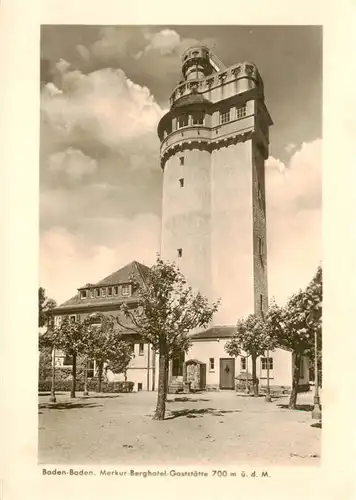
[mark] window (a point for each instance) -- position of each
(177, 366)
(83, 294)
(91, 294)
(211, 364)
(68, 360)
(90, 368)
(139, 386)
(260, 247)
(261, 302)
(181, 160)
(243, 363)
(109, 291)
(95, 319)
(180, 252)
(103, 292)
(116, 290)
(72, 319)
(264, 362)
(182, 121)
(141, 348)
(125, 290)
(97, 292)
(301, 367)
(259, 195)
(240, 112)
(224, 116)
(198, 118)
(181, 182)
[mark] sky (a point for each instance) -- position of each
(103, 91)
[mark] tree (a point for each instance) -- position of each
(296, 325)
(71, 337)
(45, 308)
(252, 336)
(168, 309)
(104, 343)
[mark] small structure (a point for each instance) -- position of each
(194, 375)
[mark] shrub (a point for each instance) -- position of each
(66, 385)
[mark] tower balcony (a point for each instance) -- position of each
(192, 133)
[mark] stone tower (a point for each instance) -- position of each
(214, 142)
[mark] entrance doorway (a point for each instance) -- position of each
(227, 373)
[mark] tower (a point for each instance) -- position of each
(214, 142)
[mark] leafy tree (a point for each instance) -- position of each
(45, 308)
(254, 338)
(296, 325)
(70, 337)
(168, 309)
(104, 343)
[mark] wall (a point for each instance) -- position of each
(281, 374)
(231, 233)
(186, 216)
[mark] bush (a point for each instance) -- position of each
(66, 385)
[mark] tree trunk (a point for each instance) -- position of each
(295, 382)
(162, 388)
(254, 376)
(85, 390)
(74, 375)
(166, 371)
(100, 375)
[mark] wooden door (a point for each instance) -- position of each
(227, 373)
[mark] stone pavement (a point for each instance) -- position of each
(209, 428)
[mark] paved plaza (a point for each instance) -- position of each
(209, 428)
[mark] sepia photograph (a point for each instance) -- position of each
(180, 270)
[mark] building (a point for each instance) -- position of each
(106, 297)
(207, 351)
(214, 143)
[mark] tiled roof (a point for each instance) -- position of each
(217, 332)
(123, 275)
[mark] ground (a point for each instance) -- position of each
(209, 428)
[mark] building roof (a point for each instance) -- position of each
(216, 332)
(123, 275)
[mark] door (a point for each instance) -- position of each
(227, 373)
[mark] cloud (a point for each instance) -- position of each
(100, 176)
(294, 203)
(104, 105)
(67, 261)
(72, 163)
(165, 41)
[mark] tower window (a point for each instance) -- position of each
(198, 118)
(181, 160)
(182, 121)
(181, 182)
(240, 112)
(225, 116)
(261, 302)
(260, 247)
(180, 252)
